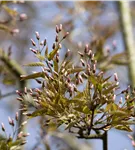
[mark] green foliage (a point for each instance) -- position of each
(9, 142)
(60, 102)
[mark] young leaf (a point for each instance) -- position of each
(40, 57)
(35, 64)
(11, 12)
(123, 127)
(46, 51)
(53, 53)
(32, 76)
(55, 65)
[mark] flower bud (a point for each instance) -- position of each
(44, 42)
(57, 29)
(33, 43)
(81, 54)
(60, 46)
(16, 116)
(115, 77)
(2, 127)
(9, 120)
(67, 33)
(15, 31)
(67, 53)
(83, 63)
(60, 28)
(53, 47)
(56, 38)
(86, 48)
(34, 51)
(23, 17)
(37, 35)
(19, 93)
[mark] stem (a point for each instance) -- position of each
(128, 37)
(94, 136)
(105, 141)
(91, 123)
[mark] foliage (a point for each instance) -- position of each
(77, 97)
(10, 142)
(61, 102)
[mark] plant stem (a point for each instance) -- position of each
(128, 37)
(103, 137)
(105, 141)
(91, 122)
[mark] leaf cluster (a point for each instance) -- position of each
(61, 101)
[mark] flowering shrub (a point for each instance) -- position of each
(77, 97)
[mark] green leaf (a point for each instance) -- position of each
(93, 80)
(4, 2)
(106, 79)
(53, 53)
(38, 113)
(5, 28)
(11, 12)
(15, 143)
(34, 64)
(4, 146)
(110, 89)
(40, 57)
(8, 81)
(124, 127)
(55, 65)
(46, 51)
(79, 95)
(86, 110)
(119, 113)
(114, 107)
(75, 70)
(111, 107)
(32, 76)
(118, 56)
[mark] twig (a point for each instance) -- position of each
(91, 122)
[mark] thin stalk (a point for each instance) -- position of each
(123, 8)
(128, 37)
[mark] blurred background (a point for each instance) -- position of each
(96, 23)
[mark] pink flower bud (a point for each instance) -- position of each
(23, 17)
(115, 77)
(86, 48)
(67, 33)
(57, 29)
(37, 35)
(33, 43)
(2, 127)
(60, 28)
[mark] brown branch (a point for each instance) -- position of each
(91, 122)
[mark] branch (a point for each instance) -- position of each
(17, 71)
(91, 123)
(93, 136)
(105, 141)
